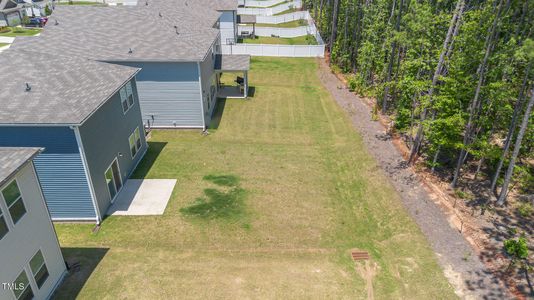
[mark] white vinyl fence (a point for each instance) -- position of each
(275, 50)
(286, 32)
(259, 3)
(277, 31)
(297, 15)
(269, 11)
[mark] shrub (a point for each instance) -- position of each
(357, 84)
(517, 249)
(525, 209)
(48, 10)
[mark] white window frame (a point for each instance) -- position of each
(135, 142)
(26, 287)
(126, 95)
(38, 269)
(20, 198)
(120, 178)
(2, 217)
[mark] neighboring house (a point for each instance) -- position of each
(220, 14)
(175, 47)
(37, 8)
(11, 13)
(31, 263)
(87, 117)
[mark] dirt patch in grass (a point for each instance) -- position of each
(368, 271)
(226, 202)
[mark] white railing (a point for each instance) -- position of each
(275, 50)
(259, 3)
(298, 15)
(269, 11)
(278, 31)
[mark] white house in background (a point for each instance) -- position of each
(13, 11)
(31, 263)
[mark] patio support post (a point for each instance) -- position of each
(246, 84)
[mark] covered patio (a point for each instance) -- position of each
(247, 20)
(237, 88)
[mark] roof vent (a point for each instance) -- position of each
(160, 15)
(56, 23)
(176, 29)
(28, 87)
(130, 51)
(146, 3)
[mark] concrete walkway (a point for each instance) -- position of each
(464, 270)
(141, 197)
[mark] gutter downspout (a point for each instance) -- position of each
(87, 173)
(201, 97)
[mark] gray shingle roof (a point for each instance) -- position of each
(64, 89)
(194, 6)
(246, 19)
(108, 34)
(232, 62)
(12, 159)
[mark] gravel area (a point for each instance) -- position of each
(460, 262)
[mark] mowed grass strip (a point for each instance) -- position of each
(290, 24)
(300, 40)
(313, 194)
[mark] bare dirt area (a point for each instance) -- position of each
(470, 259)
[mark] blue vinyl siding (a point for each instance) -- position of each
(59, 168)
(105, 137)
(207, 69)
(169, 93)
(64, 186)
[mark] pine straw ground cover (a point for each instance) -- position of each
(268, 205)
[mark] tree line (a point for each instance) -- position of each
(455, 76)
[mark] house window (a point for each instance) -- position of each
(14, 201)
(23, 290)
(127, 98)
(135, 142)
(3, 226)
(39, 270)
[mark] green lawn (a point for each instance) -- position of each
(3, 44)
(291, 24)
(301, 40)
(19, 31)
(286, 11)
(268, 205)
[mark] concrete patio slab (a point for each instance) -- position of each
(142, 197)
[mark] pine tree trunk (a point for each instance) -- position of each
(517, 146)
(333, 35)
(511, 130)
(455, 21)
(473, 109)
(391, 56)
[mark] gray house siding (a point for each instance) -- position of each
(209, 92)
(59, 168)
(105, 137)
(227, 27)
(169, 94)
